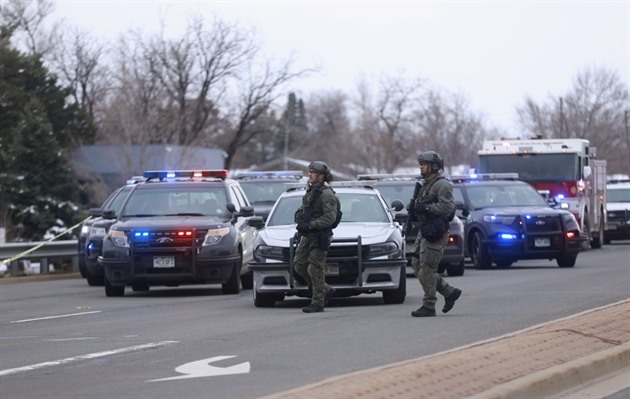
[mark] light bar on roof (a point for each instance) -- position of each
(266, 174)
(388, 176)
(484, 176)
(169, 174)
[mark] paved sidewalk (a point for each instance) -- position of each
(531, 363)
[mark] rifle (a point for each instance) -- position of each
(411, 215)
(306, 215)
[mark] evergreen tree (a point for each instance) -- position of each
(38, 130)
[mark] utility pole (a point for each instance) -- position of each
(627, 138)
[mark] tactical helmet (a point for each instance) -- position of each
(321, 167)
(432, 158)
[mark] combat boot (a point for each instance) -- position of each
(450, 300)
(423, 312)
(312, 308)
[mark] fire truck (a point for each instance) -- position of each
(565, 169)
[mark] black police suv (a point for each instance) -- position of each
(264, 187)
(176, 228)
(507, 219)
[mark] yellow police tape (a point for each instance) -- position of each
(18, 256)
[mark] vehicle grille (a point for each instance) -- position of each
(543, 224)
(347, 251)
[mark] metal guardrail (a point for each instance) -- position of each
(53, 249)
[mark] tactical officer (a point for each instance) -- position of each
(314, 220)
(433, 207)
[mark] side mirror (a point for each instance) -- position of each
(256, 222)
(462, 207)
(94, 212)
(109, 214)
(397, 205)
(586, 173)
(401, 218)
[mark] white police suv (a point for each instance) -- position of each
(367, 254)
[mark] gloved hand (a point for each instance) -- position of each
(421, 208)
(303, 227)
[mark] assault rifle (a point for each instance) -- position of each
(412, 215)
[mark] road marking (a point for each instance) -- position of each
(202, 368)
(84, 357)
(55, 317)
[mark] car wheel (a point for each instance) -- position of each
(247, 281)
(233, 285)
(566, 260)
(456, 270)
(265, 300)
(94, 281)
(398, 295)
(598, 240)
(140, 287)
(113, 290)
(480, 256)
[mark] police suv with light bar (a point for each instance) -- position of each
(507, 219)
(367, 254)
(179, 227)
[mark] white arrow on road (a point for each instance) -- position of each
(202, 368)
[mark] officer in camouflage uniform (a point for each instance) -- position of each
(434, 200)
(314, 220)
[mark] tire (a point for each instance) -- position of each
(113, 290)
(140, 287)
(247, 281)
(94, 281)
(233, 285)
(398, 295)
(456, 270)
(598, 240)
(566, 260)
(265, 300)
(479, 253)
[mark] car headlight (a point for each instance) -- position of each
(383, 249)
(98, 232)
(268, 252)
(84, 229)
(214, 236)
(507, 220)
(119, 238)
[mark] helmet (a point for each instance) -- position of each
(320, 167)
(432, 158)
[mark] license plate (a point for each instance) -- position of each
(542, 242)
(331, 269)
(163, 261)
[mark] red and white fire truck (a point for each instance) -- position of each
(567, 169)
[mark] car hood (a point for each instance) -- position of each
(171, 222)
(370, 233)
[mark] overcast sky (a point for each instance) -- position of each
(493, 52)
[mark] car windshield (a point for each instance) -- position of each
(401, 192)
(207, 201)
(366, 208)
(486, 196)
(618, 195)
(262, 192)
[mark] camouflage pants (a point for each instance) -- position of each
(427, 257)
(309, 263)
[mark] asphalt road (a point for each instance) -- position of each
(63, 339)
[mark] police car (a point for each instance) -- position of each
(264, 187)
(401, 187)
(507, 219)
(618, 210)
(367, 254)
(179, 227)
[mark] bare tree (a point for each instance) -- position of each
(594, 109)
(26, 18)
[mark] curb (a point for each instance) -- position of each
(559, 378)
(38, 277)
